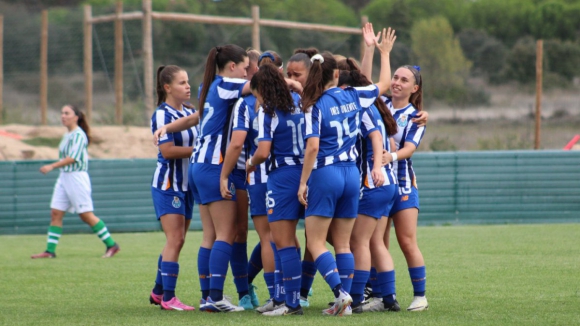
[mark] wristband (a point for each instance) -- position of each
(250, 162)
(394, 156)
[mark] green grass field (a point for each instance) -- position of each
(477, 275)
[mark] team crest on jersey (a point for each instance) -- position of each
(176, 202)
(402, 121)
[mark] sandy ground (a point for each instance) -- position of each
(108, 142)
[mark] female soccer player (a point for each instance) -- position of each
(172, 198)
(72, 191)
(280, 138)
(405, 102)
(378, 186)
(221, 89)
(332, 125)
(245, 137)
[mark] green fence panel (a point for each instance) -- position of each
(454, 187)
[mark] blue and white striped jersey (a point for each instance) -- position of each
(215, 122)
(407, 131)
(335, 119)
(285, 131)
(372, 121)
(246, 119)
(172, 173)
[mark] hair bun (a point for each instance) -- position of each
(317, 57)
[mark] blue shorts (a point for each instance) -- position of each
(377, 202)
(257, 199)
(239, 177)
(333, 191)
(405, 199)
(172, 202)
(207, 182)
(191, 185)
(282, 196)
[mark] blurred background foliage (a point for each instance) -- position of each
(454, 41)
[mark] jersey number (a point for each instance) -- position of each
(343, 129)
(297, 137)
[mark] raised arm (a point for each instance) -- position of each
(385, 47)
(369, 50)
(176, 126)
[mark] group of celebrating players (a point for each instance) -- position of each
(324, 144)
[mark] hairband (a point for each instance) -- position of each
(266, 55)
(317, 57)
(415, 73)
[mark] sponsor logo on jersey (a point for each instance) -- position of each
(270, 211)
(405, 198)
(176, 202)
(402, 121)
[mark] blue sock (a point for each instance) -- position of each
(308, 273)
(203, 271)
(158, 288)
(278, 276)
(326, 265)
(292, 275)
(218, 268)
(345, 265)
(374, 284)
(357, 291)
(255, 263)
(418, 278)
(387, 283)
(269, 279)
(239, 262)
(169, 272)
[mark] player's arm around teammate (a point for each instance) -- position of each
(280, 123)
(405, 103)
(172, 197)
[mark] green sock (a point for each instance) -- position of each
(54, 233)
(101, 230)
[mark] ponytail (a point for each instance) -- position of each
(321, 73)
(416, 98)
(82, 122)
(351, 75)
(165, 76)
(217, 58)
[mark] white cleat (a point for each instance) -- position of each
(373, 304)
(418, 304)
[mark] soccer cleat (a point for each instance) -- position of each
(341, 303)
(175, 304)
(270, 305)
(45, 254)
(358, 309)
(222, 305)
(332, 309)
(304, 303)
(155, 298)
(246, 302)
(419, 304)
(284, 310)
(373, 304)
(310, 292)
(253, 295)
(111, 251)
(202, 305)
(368, 293)
(392, 307)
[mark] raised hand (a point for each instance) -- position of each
(387, 41)
(369, 34)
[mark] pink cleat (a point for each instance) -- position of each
(45, 254)
(155, 298)
(175, 304)
(111, 251)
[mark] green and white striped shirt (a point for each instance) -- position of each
(74, 145)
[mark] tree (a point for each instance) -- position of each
(443, 65)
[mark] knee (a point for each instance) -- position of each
(56, 215)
